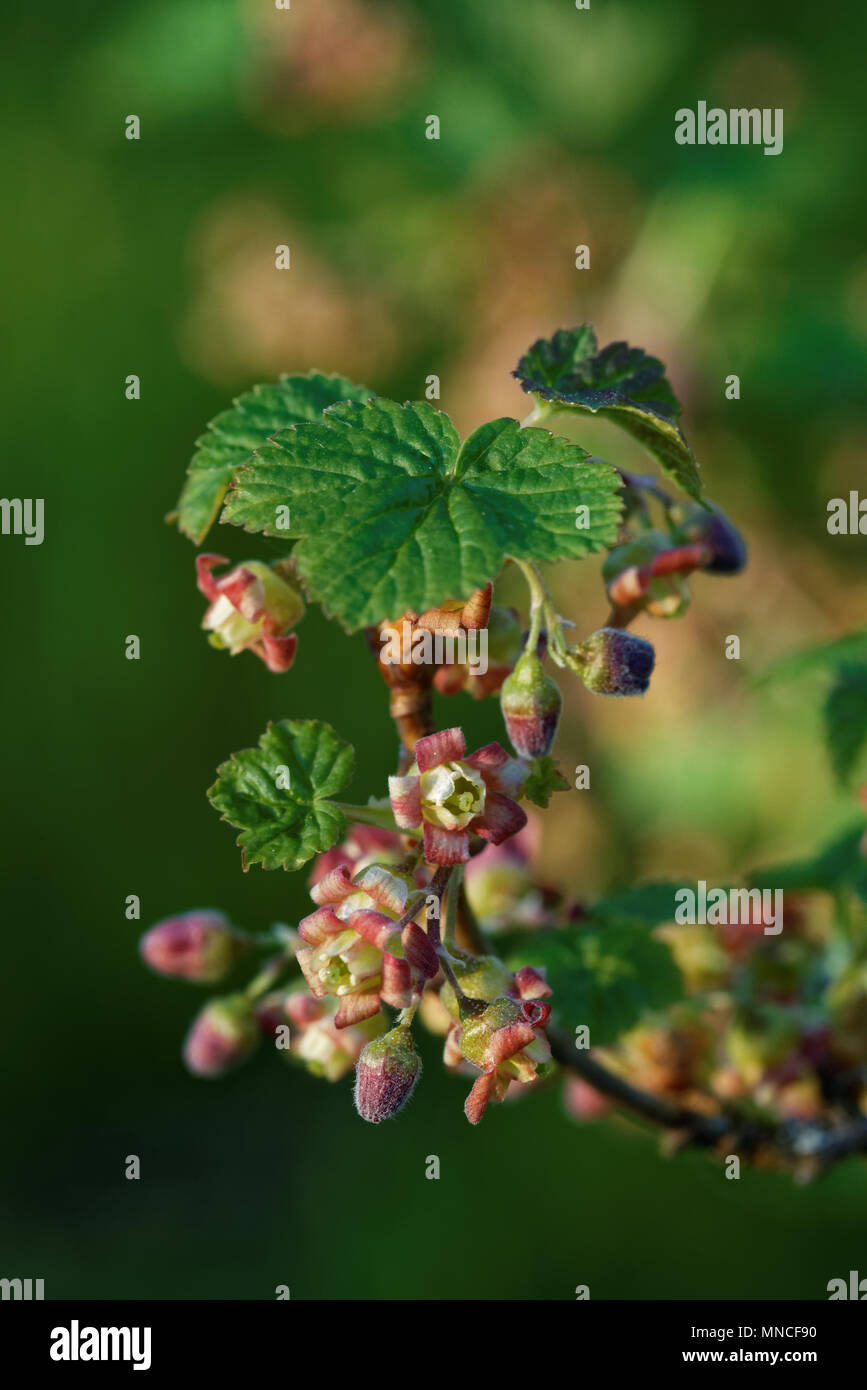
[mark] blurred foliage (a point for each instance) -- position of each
(409, 257)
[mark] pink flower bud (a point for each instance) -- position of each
(386, 1074)
(199, 945)
(222, 1036)
(531, 704)
(613, 662)
(582, 1101)
(648, 573)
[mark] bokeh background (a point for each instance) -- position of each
(409, 257)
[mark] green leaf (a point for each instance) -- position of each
(604, 977)
(622, 383)
(544, 779)
(230, 439)
(846, 722)
(824, 658)
(394, 513)
(284, 826)
(648, 905)
(841, 864)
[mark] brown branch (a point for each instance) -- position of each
(410, 683)
(809, 1145)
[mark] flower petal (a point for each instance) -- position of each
(375, 927)
(445, 846)
(531, 984)
(205, 581)
(405, 795)
(449, 746)
(278, 653)
(333, 887)
(477, 1101)
(387, 892)
(355, 1008)
(245, 591)
(396, 987)
(501, 772)
(502, 818)
(419, 950)
(314, 984)
(319, 926)
(505, 1042)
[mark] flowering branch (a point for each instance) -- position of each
(391, 513)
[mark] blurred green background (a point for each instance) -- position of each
(409, 257)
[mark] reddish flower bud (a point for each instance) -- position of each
(648, 573)
(613, 662)
(199, 945)
(531, 704)
(719, 536)
(222, 1036)
(386, 1074)
(583, 1102)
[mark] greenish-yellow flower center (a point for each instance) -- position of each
(452, 795)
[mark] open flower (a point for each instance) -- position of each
(316, 1040)
(498, 1027)
(353, 951)
(452, 796)
(507, 1042)
(500, 886)
(252, 609)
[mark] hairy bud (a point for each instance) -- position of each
(531, 704)
(222, 1036)
(613, 662)
(199, 946)
(386, 1074)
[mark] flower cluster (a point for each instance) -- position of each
(772, 1028)
(408, 892)
(373, 942)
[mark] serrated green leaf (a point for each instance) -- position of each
(395, 514)
(846, 721)
(544, 779)
(231, 437)
(604, 977)
(285, 826)
(622, 383)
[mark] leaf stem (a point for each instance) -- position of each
(541, 411)
(268, 976)
(542, 610)
(455, 881)
(380, 816)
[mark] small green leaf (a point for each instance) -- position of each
(277, 794)
(620, 382)
(230, 439)
(545, 778)
(846, 721)
(604, 977)
(393, 513)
